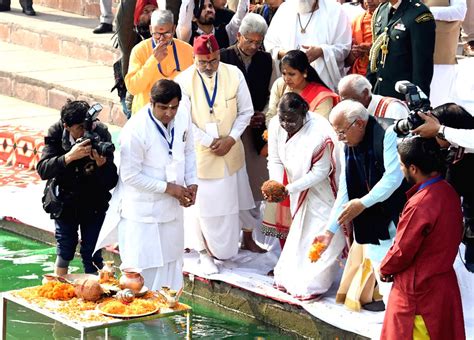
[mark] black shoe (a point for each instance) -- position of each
(29, 11)
(27, 6)
(103, 28)
(375, 306)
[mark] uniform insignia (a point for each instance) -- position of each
(424, 18)
(400, 26)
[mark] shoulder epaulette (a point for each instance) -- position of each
(424, 17)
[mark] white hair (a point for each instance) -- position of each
(161, 17)
(253, 23)
(356, 82)
(351, 110)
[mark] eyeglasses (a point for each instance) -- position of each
(204, 63)
(257, 43)
(166, 35)
(342, 134)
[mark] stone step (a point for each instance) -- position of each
(90, 8)
(58, 32)
(48, 79)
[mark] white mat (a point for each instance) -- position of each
(248, 271)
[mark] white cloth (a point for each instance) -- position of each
(215, 222)
(395, 110)
(352, 10)
(442, 88)
(329, 28)
(170, 275)
(294, 271)
(185, 19)
(460, 138)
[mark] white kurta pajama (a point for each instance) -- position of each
(329, 28)
(314, 144)
(151, 234)
(215, 218)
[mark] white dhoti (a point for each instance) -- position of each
(294, 271)
(156, 249)
(215, 219)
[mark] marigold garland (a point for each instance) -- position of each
(315, 251)
(57, 291)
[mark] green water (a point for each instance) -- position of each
(22, 264)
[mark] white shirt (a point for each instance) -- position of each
(146, 166)
(460, 138)
(456, 11)
(395, 110)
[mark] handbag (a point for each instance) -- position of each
(51, 202)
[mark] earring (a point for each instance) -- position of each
(305, 75)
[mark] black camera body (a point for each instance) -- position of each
(105, 149)
(417, 101)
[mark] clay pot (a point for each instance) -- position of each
(132, 279)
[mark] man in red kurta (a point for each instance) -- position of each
(425, 301)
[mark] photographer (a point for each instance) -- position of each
(425, 301)
(79, 179)
(454, 128)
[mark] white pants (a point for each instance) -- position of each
(106, 15)
(170, 274)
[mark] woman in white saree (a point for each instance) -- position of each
(303, 143)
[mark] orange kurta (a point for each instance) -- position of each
(361, 34)
(143, 71)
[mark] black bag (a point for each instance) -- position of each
(51, 202)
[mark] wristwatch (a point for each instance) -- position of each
(440, 134)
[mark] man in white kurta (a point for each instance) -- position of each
(357, 87)
(318, 27)
(157, 177)
(221, 108)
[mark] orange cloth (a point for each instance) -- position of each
(361, 33)
(143, 71)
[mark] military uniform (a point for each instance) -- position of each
(402, 49)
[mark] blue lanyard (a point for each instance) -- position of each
(210, 101)
(429, 182)
(175, 55)
(160, 130)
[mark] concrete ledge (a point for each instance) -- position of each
(228, 300)
(90, 8)
(60, 33)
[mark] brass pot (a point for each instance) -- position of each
(132, 279)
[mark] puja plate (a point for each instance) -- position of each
(124, 316)
(142, 291)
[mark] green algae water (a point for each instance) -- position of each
(24, 261)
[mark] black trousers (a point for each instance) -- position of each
(67, 237)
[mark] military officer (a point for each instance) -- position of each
(403, 46)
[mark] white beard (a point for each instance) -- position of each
(304, 6)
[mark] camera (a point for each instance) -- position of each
(105, 149)
(417, 101)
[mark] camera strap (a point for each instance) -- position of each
(175, 55)
(162, 133)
